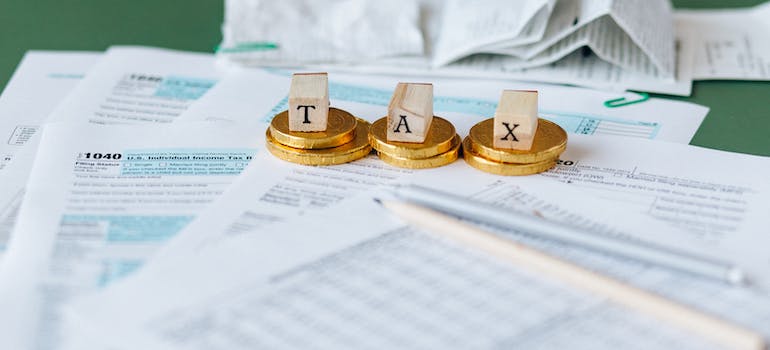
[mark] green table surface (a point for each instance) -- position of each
(739, 119)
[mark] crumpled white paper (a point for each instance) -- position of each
(292, 32)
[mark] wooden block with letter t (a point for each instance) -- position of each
(410, 112)
(308, 102)
(515, 120)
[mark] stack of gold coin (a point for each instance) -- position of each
(441, 146)
(550, 141)
(344, 140)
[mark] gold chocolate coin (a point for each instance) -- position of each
(438, 140)
(550, 141)
(341, 129)
(477, 161)
(423, 163)
(357, 148)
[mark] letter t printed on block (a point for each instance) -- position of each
(515, 120)
(308, 102)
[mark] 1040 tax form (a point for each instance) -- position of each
(97, 207)
(637, 196)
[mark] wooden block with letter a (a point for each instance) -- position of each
(515, 120)
(309, 102)
(410, 112)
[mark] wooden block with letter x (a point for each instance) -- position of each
(410, 112)
(515, 120)
(308, 102)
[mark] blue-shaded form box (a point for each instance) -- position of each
(589, 125)
(125, 230)
(113, 270)
(185, 162)
(132, 228)
(182, 88)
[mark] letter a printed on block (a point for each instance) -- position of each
(410, 112)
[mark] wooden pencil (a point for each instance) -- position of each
(708, 326)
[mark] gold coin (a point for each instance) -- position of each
(438, 140)
(353, 150)
(424, 163)
(550, 141)
(477, 161)
(341, 129)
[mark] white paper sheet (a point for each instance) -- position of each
(633, 41)
(716, 209)
(13, 179)
(469, 26)
(273, 294)
(465, 102)
(296, 32)
(641, 46)
(99, 201)
(533, 30)
(232, 220)
(714, 194)
(729, 43)
(579, 68)
(139, 85)
(566, 18)
(41, 81)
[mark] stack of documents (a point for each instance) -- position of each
(608, 44)
(140, 209)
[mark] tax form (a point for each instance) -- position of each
(464, 102)
(715, 195)
(124, 85)
(355, 277)
(729, 43)
(713, 209)
(100, 200)
(41, 81)
(139, 85)
(389, 286)
(719, 197)
(13, 178)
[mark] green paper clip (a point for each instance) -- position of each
(622, 101)
(246, 47)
